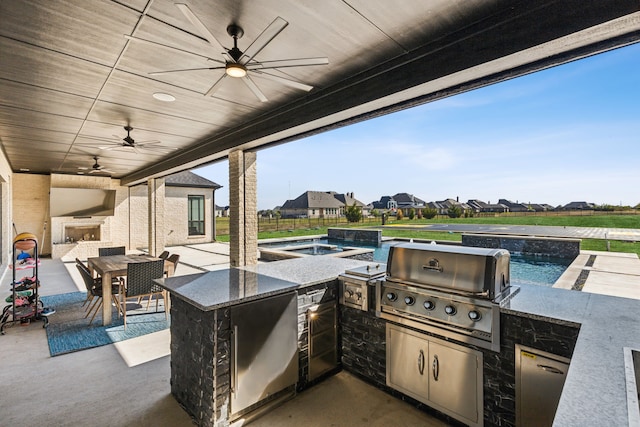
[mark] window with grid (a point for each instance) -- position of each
(196, 216)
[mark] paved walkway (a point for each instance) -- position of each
(608, 273)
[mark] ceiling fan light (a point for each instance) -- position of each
(235, 70)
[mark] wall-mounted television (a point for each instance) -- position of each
(81, 202)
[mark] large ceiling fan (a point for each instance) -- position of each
(128, 143)
(96, 168)
(242, 64)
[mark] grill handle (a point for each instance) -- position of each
(421, 362)
(435, 367)
(433, 265)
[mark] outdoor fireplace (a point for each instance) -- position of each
(81, 233)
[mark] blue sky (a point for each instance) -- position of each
(569, 133)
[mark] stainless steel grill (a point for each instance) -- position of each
(448, 290)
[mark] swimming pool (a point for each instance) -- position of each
(539, 270)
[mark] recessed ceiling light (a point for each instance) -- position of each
(24, 170)
(164, 97)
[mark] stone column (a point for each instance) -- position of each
(155, 189)
(243, 209)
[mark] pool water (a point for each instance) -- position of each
(539, 270)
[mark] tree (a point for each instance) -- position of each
(412, 213)
(353, 213)
(454, 211)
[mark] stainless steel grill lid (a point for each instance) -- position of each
(482, 272)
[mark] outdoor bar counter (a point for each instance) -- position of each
(594, 393)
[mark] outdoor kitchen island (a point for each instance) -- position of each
(591, 329)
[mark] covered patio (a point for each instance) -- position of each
(146, 88)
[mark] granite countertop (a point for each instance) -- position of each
(594, 392)
(223, 288)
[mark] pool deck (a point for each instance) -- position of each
(607, 273)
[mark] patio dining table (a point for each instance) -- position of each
(116, 266)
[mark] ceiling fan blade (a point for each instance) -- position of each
(149, 42)
(215, 86)
(254, 88)
(291, 83)
(159, 73)
(301, 62)
(204, 31)
(263, 39)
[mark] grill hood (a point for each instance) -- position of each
(480, 272)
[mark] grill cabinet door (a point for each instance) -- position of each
(453, 384)
(407, 355)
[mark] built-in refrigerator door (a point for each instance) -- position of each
(264, 350)
(539, 380)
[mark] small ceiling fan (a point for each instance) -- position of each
(128, 143)
(96, 168)
(242, 64)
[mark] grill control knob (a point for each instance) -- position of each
(475, 315)
(391, 296)
(348, 293)
(450, 310)
(429, 305)
(358, 296)
(409, 300)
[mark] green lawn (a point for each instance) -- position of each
(575, 220)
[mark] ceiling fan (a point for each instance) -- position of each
(242, 64)
(96, 168)
(129, 143)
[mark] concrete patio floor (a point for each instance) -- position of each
(127, 383)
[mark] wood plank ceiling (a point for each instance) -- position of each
(72, 77)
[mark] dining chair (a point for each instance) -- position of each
(164, 255)
(116, 250)
(94, 290)
(140, 283)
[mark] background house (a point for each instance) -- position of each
(320, 204)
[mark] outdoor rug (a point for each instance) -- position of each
(69, 331)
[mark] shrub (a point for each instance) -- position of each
(353, 213)
(399, 214)
(429, 213)
(412, 213)
(455, 212)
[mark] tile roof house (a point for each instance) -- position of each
(573, 206)
(480, 206)
(442, 206)
(320, 204)
(514, 207)
(404, 201)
